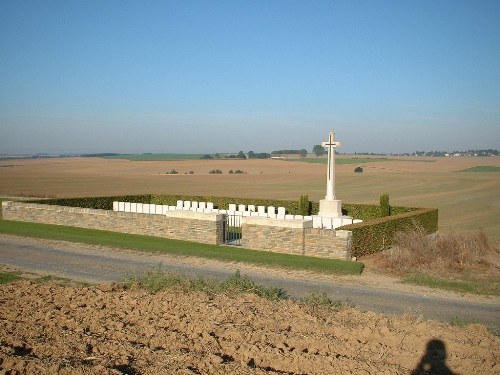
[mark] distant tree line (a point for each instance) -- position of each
(240, 155)
(257, 155)
(488, 152)
(302, 152)
(319, 150)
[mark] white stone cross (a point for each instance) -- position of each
(330, 181)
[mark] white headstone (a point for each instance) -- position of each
(317, 222)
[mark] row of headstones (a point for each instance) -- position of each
(235, 212)
(142, 208)
(239, 210)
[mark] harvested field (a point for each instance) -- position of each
(466, 200)
(105, 329)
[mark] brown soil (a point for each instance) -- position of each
(52, 329)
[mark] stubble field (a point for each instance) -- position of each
(466, 200)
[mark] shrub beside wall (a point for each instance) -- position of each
(385, 208)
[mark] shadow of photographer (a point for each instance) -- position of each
(434, 360)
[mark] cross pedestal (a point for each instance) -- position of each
(330, 207)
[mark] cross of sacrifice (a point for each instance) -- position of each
(330, 181)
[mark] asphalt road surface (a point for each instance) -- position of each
(95, 265)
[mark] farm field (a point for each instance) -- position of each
(467, 200)
(109, 329)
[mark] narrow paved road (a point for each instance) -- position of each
(95, 265)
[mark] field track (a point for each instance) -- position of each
(466, 200)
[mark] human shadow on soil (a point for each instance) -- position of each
(433, 362)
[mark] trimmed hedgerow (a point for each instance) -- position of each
(363, 211)
(100, 203)
(376, 235)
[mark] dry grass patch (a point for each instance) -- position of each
(465, 262)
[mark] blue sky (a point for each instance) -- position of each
(224, 76)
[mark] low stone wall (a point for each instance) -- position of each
(295, 237)
(258, 233)
(327, 243)
(188, 226)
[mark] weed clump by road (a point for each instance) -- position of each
(157, 280)
(465, 262)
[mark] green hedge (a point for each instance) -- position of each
(363, 211)
(106, 203)
(376, 235)
(358, 211)
(101, 203)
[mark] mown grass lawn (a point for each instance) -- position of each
(168, 246)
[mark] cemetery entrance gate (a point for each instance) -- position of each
(232, 229)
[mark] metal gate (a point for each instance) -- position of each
(232, 229)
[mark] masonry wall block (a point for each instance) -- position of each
(282, 236)
(196, 227)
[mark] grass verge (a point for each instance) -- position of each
(8, 277)
(168, 246)
(157, 280)
(461, 286)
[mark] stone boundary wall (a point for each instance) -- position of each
(295, 237)
(189, 226)
(258, 233)
(327, 243)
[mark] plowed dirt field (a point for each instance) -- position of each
(46, 328)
